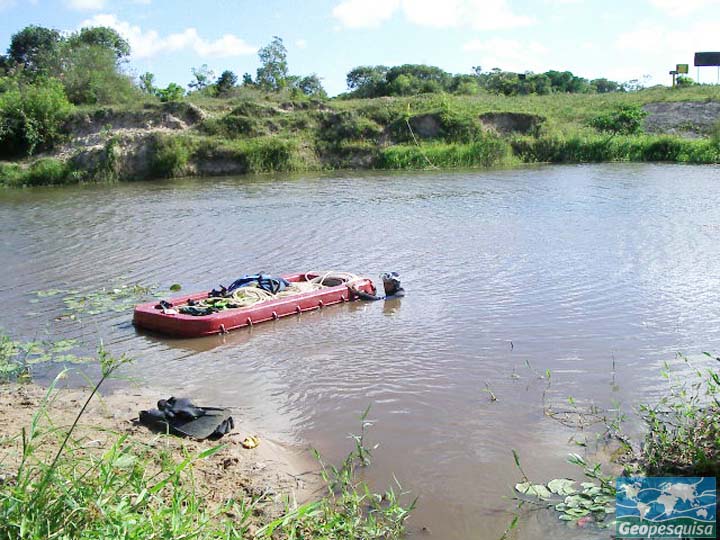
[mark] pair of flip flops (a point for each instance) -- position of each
(181, 417)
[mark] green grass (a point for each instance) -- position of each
(258, 132)
(683, 428)
(43, 172)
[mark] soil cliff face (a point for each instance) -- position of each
(690, 119)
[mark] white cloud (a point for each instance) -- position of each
(477, 14)
(677, 8)
(508, 54)
(656, 48)
(364, 13)
(86, 5)
(301, 43)
(146, 43)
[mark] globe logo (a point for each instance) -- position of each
(665, 507)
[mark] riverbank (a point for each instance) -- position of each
(253, 132)
(269, 475)
(81, 465)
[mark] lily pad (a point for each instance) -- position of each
(562, 486)
(537, 490)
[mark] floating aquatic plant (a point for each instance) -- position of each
(579, 503)
(16, 357)
(121, 297)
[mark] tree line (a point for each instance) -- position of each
(411, 79)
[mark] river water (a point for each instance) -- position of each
(598, 273)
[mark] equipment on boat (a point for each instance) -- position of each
(250, 300)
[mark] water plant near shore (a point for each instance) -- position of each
(681, 438)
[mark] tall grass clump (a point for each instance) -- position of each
(43, 172)
(349, 510)
(599, 148)
(171, 155)
(683, 428)
(489, 152)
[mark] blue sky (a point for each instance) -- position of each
(618, 39)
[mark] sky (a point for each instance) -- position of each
(618, 39)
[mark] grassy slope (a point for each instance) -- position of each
(262, 133)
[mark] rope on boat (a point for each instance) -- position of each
(250, 295)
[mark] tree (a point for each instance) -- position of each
(311, 86)
(604, 86)
(91, 76)
(37, 49)
(173, 92)
(203, 77)
(273, 73)
(367, 81)
(147, 83)
(101, 36)
(226, 82)
(247, 80)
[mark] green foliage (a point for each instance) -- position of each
(48, 171)
(349, 509)
(491, 151)
(590, 501)
(31, 117)
(18, 357)
(117, 297)
(335, 128)
(203, 77)
(625, 120)
(37, 50)
(311, 86)
(226, 82)
(683, 427)
(683, 81)
(590, 149)
(171, 155)
(414, 79)
(91, 77)
(102, 37)
(173, 92)
(273, 71)
(147, 83)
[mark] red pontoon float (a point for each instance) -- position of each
(331, 290)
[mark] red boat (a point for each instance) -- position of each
(307, 292)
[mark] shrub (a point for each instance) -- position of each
(31, 117)
(173, 92)
(170, 155)
(44, 172)
(625, 120)
(347, 126)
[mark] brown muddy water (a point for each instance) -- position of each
(559, 267)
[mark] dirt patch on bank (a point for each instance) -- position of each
(271, 471)
(690, 119)
(508, 123)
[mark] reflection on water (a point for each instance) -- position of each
(507, 273)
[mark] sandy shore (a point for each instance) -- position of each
(276, 471)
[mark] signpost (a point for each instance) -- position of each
(703, 59)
